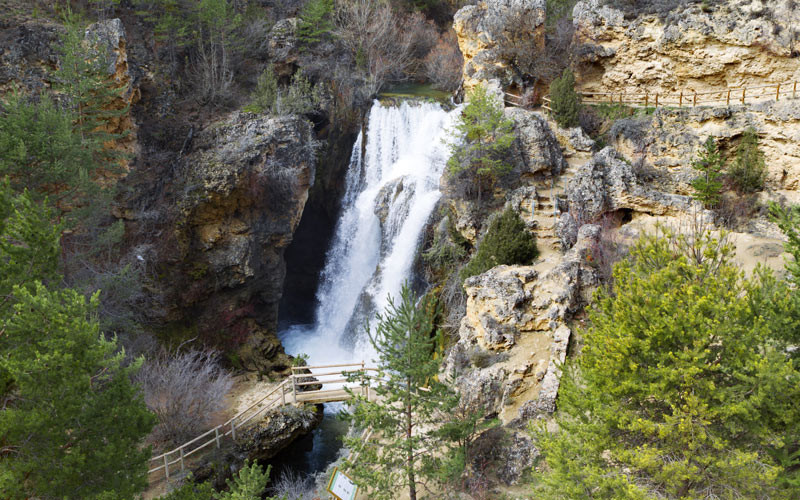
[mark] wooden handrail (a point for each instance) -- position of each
(273, 399)
(325, 366)
(688, 97)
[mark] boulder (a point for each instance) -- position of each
(538, 146)
(282, 46)
(507, 305)
(277, 430)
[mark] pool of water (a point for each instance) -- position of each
(423, 90)
(313, 452)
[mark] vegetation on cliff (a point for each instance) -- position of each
(477, 163)
(507, 242)
(683, 388)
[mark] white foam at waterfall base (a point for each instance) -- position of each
(367, 261)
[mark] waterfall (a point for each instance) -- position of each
(392, 186)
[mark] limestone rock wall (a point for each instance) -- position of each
(486, 29)
(243, 191)
(734, 43)
(674, 136)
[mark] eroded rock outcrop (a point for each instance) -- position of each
(244, 188)
(608, 183)
(110, 43)
(515, 334)
(488, 29)
(538, 147)
(277, 430)
(29, 57)
(727, 44)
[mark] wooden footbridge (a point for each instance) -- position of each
(303, 386)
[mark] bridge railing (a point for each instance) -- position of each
(284, 393)
(686, 98)
(338, 378)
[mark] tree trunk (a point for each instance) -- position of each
(412, 483)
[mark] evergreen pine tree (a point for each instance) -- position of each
(565, 103)
(748, 169)
(39, 148)
(407, 448)
(480, 159)
(315, 22)
(680, 390)
(73, 425)
(29, 244)
(707, 186)
(93, 96)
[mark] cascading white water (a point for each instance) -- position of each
(396, 169)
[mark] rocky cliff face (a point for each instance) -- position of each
(673, 137)
(487, 29)
(242, 194)
(729, 44)
(29, 57)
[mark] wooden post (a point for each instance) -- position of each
(778, 93)
(680, 99)
(294, 389)
(216, 436)
(233, 429)
(794, 90)
(656, 100)
(646, 99)
(728, 99)
(166, 466)
(694, 101)
(744, 90)
(182, 467)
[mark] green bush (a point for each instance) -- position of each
(266, 92)
(748, 170)
(300, 97)
(564, 101)
(507, 241)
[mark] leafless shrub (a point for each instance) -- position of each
(735, 210)
(213, 72)
(293, 486)
(184, 390)
(443, 63)
(255, 35)
(535, 55)
(608, 250)
(376, 38)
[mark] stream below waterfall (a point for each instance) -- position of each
(392, 188)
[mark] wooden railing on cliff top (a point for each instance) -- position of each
(728, 96)
(287, 392)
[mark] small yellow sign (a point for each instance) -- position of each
(341, 486)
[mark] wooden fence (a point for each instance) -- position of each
(290, 391)
(727, 96)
